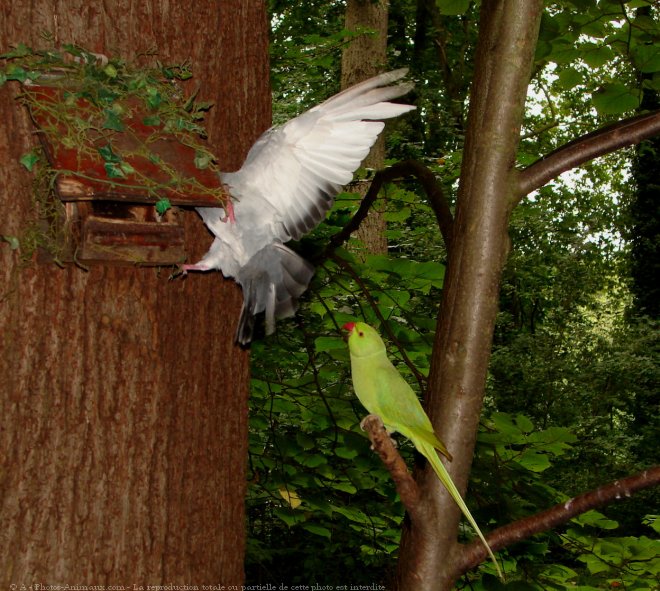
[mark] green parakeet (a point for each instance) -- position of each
(383, 392)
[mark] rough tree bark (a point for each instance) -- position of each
(364, 57)
(479, 246)
(123, 419)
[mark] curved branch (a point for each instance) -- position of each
(433, 191)
(475, 553)
(585, 148)
(383, 445)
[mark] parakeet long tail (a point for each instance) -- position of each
(431, 455)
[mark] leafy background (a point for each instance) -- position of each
(571, 398)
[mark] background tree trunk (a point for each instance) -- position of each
(364, 57)
(123, 401)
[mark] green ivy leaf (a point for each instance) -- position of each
(151, 120)
(21, 50)
(11, 240)
(203, 159)
(126, 168)
(113, 170)
(14, 72)
(163, 205)
(108, 154)
(29, 160)
(113, 120)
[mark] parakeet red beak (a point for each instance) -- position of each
(349, 326)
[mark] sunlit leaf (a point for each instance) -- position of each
(290, 496)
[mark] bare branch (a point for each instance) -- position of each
(475, 553)
(433, 191)
(383, 445)
(597, 143)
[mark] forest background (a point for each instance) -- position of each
(571, 400)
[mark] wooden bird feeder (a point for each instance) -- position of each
(111, 174)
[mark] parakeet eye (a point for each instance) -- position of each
(361, 333)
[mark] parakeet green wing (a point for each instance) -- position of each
(395, 402)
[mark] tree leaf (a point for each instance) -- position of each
(318, 530)
(324, 344)
(290, 496)
(616, 98)
(646, 58)
(453, 7)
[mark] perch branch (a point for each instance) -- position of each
(597, 143)
(475, 553)
(433, 191)
(383, 445)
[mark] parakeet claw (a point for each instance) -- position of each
(363, 422)
(388, 431)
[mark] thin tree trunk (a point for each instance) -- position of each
(508, 33)
(123, 402)
(364, 57)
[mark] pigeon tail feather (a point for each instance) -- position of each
(272, 281)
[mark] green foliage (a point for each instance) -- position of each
(573, 378)
(628, 562)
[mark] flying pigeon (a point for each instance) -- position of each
(284, 189)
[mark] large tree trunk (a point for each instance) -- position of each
(364, 57)
(123, 400)
(477, 253)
